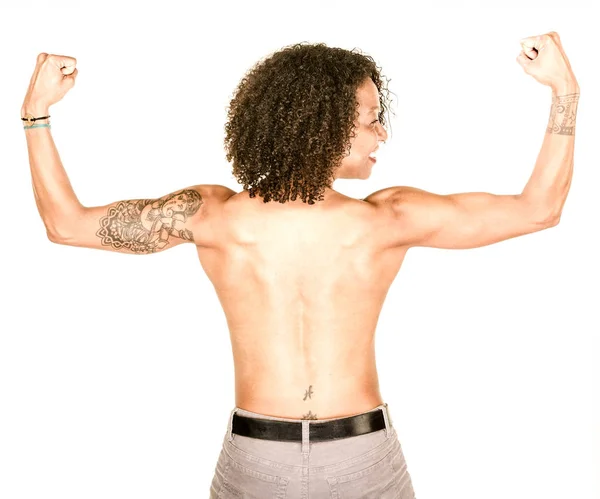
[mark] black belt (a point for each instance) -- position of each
(289, 431)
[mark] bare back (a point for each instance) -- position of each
(302, 287)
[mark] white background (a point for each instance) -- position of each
(116, 376)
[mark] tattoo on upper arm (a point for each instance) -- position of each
(563, 114)
(144, 225)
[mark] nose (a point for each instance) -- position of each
(381, 132)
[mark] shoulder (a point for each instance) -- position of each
(211, 197)
(390, 213)
(396, 194)
(384, 201)
(400, 200)
(212, 200)
(213, 192)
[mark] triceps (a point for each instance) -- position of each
(146, 226)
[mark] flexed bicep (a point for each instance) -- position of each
(139, 226)
(146, 225)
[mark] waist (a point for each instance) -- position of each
(264, 427)
(312, 403)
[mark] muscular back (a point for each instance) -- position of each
(302, 287)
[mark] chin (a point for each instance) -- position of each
(359, 172)
(364, 174)
(367, 172)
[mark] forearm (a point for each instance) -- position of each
(55, 199)
(550, 181)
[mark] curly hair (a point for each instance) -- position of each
(292, 116)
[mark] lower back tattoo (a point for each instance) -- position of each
(308, 395)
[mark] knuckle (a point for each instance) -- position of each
(550, 39)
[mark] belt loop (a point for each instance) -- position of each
(305, 436)
(388, 420)
(230, 425)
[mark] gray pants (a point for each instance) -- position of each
(369, 466)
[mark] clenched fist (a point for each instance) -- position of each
(53, 77)
(544, 58)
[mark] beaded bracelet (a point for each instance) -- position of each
(40, 125)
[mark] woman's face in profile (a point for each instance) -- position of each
(369, 132)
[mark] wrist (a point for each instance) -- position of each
(35, 109)
(564, 88)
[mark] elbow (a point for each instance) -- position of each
(551, 221)
(543, 214)
(548, 222)
(53, 237)
(57, 234)
(61, 233)
(552, 218)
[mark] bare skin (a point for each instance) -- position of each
(302, 304)
(302, 286)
